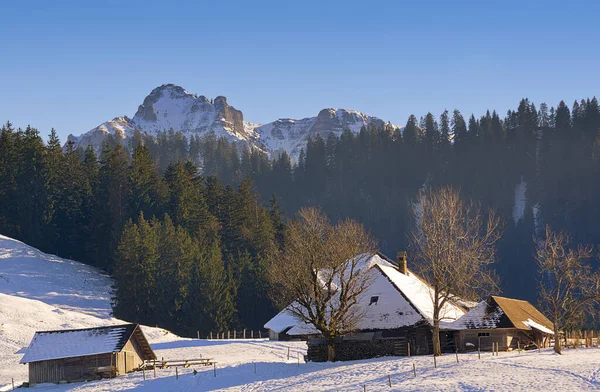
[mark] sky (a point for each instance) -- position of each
(72, 65)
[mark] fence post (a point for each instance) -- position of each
(228, 335)
(252, 334)
(408, 348)
(456, 352)
(12, 380)
(390, 380)
(259, 334)
(144, 372)
(254, 363)
(244, 333)
(414, 370)
(154, 368)
(288, 357)
(198, 333)
(234, 333)
(176, 373)
(215, 369)
(434, 361)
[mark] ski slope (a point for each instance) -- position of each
(43, 292)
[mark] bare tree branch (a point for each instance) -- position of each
(320, 271)
(453, 247)
(568, 286)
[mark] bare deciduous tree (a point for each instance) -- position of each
(453, 246)
(569, 288)
(318, 275)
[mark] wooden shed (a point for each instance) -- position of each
(86, 354)
(509, 323)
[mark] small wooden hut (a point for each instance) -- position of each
(505, 322)
(86, 354)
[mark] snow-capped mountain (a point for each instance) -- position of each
(291, 135)
(172, 107)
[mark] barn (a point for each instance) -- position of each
(506, 322)
(397, 309)
(85, 354)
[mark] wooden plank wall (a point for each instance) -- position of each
(68, 369)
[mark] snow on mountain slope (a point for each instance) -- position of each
(119, 127)
(172, 107)
(291, 135)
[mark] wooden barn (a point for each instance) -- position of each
(509, 323)
(397, 310)
(86, 354)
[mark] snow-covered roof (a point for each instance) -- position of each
(69, 343)
(501, 312)
(402, 300)
(282, 321)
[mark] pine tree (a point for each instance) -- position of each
(112, 203)
(147, 191)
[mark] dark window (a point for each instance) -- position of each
(482, 334)
(374, 300)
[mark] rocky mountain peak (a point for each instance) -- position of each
(172, 107)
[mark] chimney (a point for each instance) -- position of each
(402, 263)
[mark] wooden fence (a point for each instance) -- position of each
(234, 334)
(580, 338)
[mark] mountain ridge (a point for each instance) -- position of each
(172, 107)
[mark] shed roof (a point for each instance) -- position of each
(68, 343)
(502, 312)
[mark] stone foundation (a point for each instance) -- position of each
(350, 350)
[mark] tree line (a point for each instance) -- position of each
(532, 166)
(186, 251)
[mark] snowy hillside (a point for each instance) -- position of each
(172, 107)
(44, 292)
(40, 292)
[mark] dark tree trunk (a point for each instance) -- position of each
(556, 339)
(437, 350)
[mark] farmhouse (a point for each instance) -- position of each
(86, 354)
(509, 323)
(398, 312)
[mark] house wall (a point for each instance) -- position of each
(68, 369)
(375, 344)
(505, 338)
(134, 355)
(273, 335)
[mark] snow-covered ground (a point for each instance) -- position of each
(43, 292)
(576, 370)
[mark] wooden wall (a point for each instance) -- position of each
(507, 339)
(86, 367)
(68, 369)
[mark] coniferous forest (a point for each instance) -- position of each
(185, 225)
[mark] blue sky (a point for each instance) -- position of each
(72, 65)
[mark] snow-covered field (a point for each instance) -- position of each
(43, 292)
